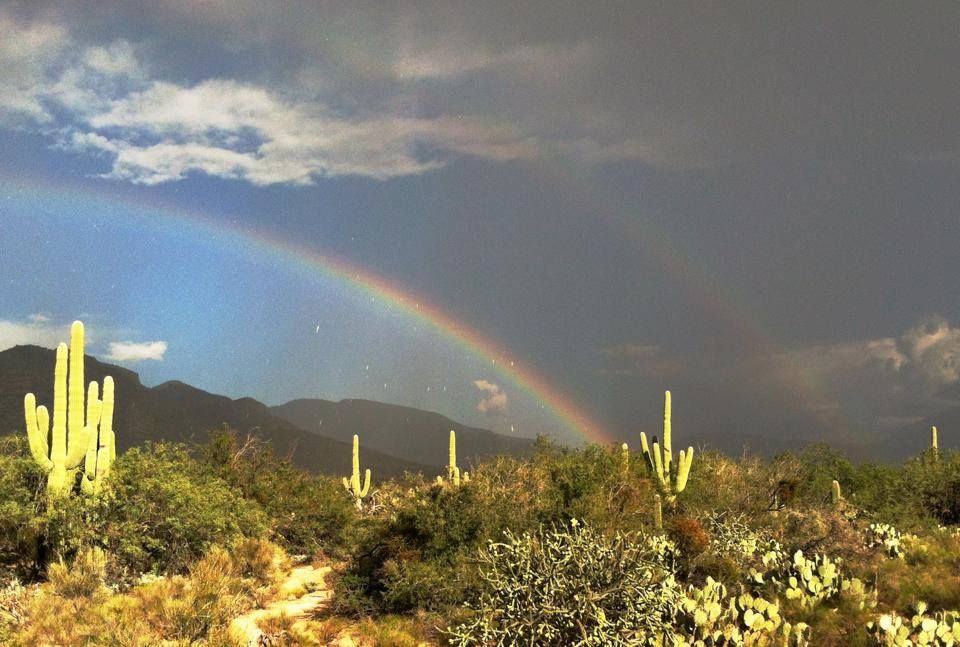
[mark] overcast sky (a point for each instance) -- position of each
(752, 204)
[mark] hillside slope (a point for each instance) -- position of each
(178, 412)
(405, 432)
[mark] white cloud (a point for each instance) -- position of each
(239, 131)
(37, 330)
(495, 401)
(128, 351)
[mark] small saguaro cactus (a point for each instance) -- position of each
(453, 472)
(454, 475)
(934, 445)
(660, 463)
(60, 451)
(625, 458)
(353, 484)
(835, 496)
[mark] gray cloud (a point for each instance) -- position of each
(495, 400)
(387, 91)
(854, 386)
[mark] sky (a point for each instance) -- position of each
(531, 218)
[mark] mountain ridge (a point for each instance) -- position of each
(178, 412)
(397, 430)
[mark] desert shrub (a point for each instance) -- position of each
(13, 602)
(927, 573)
(744, 486)
(259, 560)
(415, 557)
(689, 536)
(75, 607)
(308, 513)
(165, 509)
(83, 578)
(821, 465)
(933, 483)
(568, 586)
(22, 488)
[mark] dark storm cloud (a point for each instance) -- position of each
(676, 84)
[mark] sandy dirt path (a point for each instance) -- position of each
(304, 591)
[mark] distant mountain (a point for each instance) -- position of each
(178, 412)
(407, 433)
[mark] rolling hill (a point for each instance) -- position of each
(404, 432)
(175, 411)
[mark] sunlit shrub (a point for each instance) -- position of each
(568, 586)
(166, 510)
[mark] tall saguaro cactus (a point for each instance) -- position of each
(60, 451)
(353, 485)
(660, 463)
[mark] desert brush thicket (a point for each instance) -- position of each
(166, 544)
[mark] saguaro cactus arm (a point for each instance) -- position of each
(38, 427)
(667, 434)
(683, 469)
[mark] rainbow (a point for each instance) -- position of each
(388, 292)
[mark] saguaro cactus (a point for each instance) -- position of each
(625, 458)
(73, 424)
(835, 496)
(453, 472)
(353, 485)
(101, 448)
(660, 463)
(934, 445)
(657, 512)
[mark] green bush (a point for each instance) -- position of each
(307, 513)
(567, 587)
(165, 509)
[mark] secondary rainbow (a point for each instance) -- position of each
(344, 272)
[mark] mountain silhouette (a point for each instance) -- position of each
(404, 432)
(178, 412)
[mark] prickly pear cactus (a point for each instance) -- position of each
(886, 536)
(810, 581)
(711, 617)
(941, 629)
